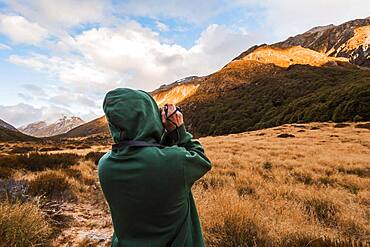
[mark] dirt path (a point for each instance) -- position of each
(89, 221)
(90, 225)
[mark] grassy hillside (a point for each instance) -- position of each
(287, 191)
(298, 94)
(11, 135)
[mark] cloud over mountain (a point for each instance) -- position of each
(24, 113)
(132, 55)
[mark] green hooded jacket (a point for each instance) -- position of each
(148, 189)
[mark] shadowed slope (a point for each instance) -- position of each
(11, 135)
(297, 94)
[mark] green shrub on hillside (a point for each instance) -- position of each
(299, 94)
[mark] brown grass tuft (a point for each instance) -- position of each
(54, 185)
(94, 156)
(39, 161)
(5, 172)
(23, 225)
(324, 210)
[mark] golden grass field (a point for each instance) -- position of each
(270, 191)
(312, 189)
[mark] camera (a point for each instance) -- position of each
(168, 116)
(165, 109)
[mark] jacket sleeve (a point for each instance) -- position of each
(195, 162)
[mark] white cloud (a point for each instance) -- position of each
(64, 13)
(133, 56)
(74, 71)
(21, 114)
(34, 90)
(162, 27)
(26, 97)
(60, 96)
(4, 47)
(69, 99)
(290, 17)
(34, 62)
(59, 101)
(18, 29)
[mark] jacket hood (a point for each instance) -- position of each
(132, 115)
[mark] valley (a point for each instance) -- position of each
(291, 185)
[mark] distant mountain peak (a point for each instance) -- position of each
(348, 40)
(320, 28)
(42, 129)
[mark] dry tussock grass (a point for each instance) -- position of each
(269, 191)
(31, 224)
(53, 185)
(39, 161)
(68, 184)
(23, 225)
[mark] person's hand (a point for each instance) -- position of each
(175, 120)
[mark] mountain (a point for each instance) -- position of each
(7, 134)
(7, 126)
(284, 57)
(97, 126)
(42, 129)
(320, 75)
(171, 93)
(176, 91)
(10, 133)
(300, 93)
(349, 40)
(310, 77)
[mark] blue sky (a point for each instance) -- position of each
(61, 57)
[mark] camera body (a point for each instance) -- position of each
(165, 109)
(172, 121)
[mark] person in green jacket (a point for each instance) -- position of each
(148, 186)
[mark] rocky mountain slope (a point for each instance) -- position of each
(314, 76)
(349, 40)
(97, 126)
(42, 129)
(7, 125)
(177, 91)
(284, 57)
